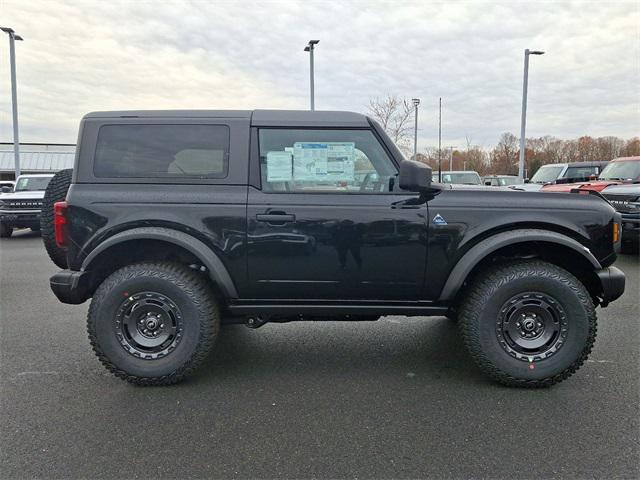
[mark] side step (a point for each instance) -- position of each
(328, 308)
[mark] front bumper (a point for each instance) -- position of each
(70, 286)
(612, 281)
(21, 218)
(630, 227)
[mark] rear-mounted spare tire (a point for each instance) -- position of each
(56, 192)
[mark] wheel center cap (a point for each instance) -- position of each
(152, 323)
(529, 324)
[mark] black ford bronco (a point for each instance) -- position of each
(175, 222)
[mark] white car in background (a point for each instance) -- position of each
(459, 177)
(562, 173)
(21, 209)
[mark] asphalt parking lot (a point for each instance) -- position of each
(397, 398)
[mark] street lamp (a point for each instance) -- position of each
(416, 102)
(309, 48)
(14, 96)
(523, 121)
(451, 158)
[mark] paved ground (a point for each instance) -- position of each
(395, 398)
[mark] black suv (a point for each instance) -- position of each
(178, 221)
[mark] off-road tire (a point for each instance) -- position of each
(200, 316)
(56, 191)
(5, 230)
(485, 299)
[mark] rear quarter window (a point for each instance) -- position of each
(162, 151)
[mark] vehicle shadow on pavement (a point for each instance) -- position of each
(422, 348)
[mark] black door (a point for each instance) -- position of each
(328, 221)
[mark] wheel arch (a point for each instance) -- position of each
(180, 244)
(526, 243)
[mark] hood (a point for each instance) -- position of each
(597, 186)
(623, 189)
(35, 194)
(528, 187)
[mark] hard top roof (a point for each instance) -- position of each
(258, 117)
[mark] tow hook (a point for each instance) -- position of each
(255, 322)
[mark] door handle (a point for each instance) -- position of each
(276, 217)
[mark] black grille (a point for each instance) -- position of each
(624, 203)
(21, 204)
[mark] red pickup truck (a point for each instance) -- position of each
(619, 170)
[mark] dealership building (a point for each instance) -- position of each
(36, 158)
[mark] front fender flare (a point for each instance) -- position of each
(479, 251)
(215, 268)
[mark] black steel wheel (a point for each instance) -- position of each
(149, 325)
(153, 323)
(529, 323)
(532, 326)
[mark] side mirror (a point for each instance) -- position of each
(488, 183)
(7, 190)
(526, 180)
(415, 176)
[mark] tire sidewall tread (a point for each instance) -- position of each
(193, 296)
(478, 317)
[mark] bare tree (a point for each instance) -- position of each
(394, 114)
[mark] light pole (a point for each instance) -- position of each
(416, 102)
(440, 144)
(309, 48)
(14, 95)
(451, 158)
(523, 121)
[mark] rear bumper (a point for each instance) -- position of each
(612, 281)
(70, 286)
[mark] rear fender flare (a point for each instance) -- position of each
(215, 268)
(489, 245)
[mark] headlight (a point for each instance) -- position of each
(1, 204)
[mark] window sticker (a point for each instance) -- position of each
(309, 161)
(331, 161)
(341, 162)
(279, 167)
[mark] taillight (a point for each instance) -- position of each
(59, 222)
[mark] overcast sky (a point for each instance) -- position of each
(80, 56)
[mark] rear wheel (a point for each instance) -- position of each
(5, 230)
(56, 192)
(153, 323)
(529, 324)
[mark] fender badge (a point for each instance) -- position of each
(438, 220)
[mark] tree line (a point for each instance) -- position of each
(396, 116)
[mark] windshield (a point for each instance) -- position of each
(466, 178)
(629, 170)
(32, 184)
(547, 174)
(503, 181)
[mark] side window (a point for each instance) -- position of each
(331, 161)
(162, 151)
(579, 172)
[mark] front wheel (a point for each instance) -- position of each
(153, 323)
(528, 324)
(5, 230)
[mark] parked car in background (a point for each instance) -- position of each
(626, 200)
(7, 186)
(501, 180)
(461, 177)
(563, 173)
(619, 170)
(21, 209)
